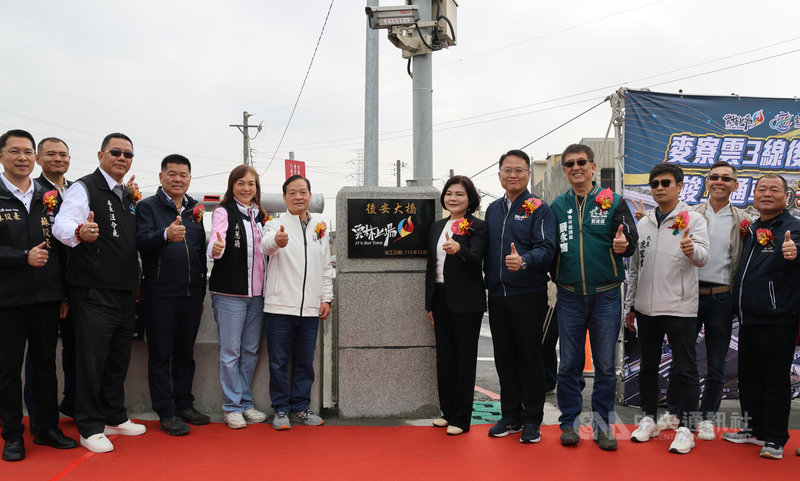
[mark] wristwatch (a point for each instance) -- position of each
(524, 264)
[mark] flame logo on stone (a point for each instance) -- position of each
(404, 228)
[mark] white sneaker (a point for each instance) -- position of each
(647, 429)
(683, 442)
(128, 428)
(705, 430)
(668, 422)
(235, 420)
(97, 443)
(253, 415)
(440, 423)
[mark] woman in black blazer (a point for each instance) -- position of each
(455, 298)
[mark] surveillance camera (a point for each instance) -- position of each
(388, 17)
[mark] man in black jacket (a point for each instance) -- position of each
(31, 292)
(171, 239)
(767, 301)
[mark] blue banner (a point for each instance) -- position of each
(756, 135)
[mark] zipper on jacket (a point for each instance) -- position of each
(189, 267)
(580, 239)
(305, 265)
(772, 296)
(502, 236)
(741, 284)
(158, 268)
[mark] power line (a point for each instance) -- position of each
(301, 88)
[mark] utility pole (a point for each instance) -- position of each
(422, 101)
(397, 172)
(246, 158)
(371, 107)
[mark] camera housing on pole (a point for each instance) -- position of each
(405, 29)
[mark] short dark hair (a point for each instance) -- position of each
(664, 168)
(50, 139)
(723, 163)
(473, 196)
(115, 135)
(292, 179)
(773, 175)
(175, 159)
(577, 149)
(517, 153)
(16, 133)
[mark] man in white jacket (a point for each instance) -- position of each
(663, 297)
(298, 293)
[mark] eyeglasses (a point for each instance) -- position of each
(116, 153)
(26, 152)
(513, 171)
(724, 178)
(664, 183)
(570, 164)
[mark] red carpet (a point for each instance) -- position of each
(387, 453)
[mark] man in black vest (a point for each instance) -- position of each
(98, 220)
(52, 155)
(31, 291)
(172, 240)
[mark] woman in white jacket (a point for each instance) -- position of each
(298, 293)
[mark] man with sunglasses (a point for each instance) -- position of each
(663, 299)
(595, 231)
(519, 254)
(98, 221)
(714, 311)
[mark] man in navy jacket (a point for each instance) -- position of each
(171, 239)
(522, 231)
(767, 300)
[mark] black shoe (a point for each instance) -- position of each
(504, 427)
(192, 416)
(14, 450)
(605, 439)
(174, 426)
(530, 434)
(569, 437)
(54, 438)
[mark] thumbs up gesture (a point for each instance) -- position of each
(37, 256)
(620, 241)
(789, 247)
(450, 246)
(514, 260)
(687, 246)
(88, 232)
(282, 237)
(217, 247)
(176, 231)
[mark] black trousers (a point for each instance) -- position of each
(171, 325)
(765, 391)
(681, 334)
(67, 331)
(516, 323)
(36, 325)
(549, 356)
(104, 321)
(457, 338)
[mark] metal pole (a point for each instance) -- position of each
(371, 106)
(423, 107)
(246, 153)
(618, 105)
(397, 172)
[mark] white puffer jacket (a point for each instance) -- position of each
(299, 276)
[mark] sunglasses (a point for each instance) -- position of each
(664, 183)
(724, 178)
(116, 153)
(571, 163)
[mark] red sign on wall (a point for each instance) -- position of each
(295, 167)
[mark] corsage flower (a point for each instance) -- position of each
(50, 200)
(320, 229)
(681, 221)
(462, 227)
(744, 228)
(604, 199)
(197, 213)
(530, 205)
(764, 236)
(136, 194)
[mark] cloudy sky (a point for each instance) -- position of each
(174, 74)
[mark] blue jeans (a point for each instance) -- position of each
(239, 324)
(601, 314)
(291, 337)
(714, 312)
